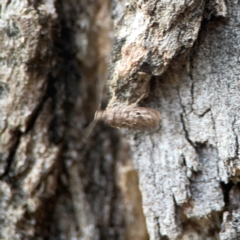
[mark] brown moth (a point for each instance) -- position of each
(131, 117)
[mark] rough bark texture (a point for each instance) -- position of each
(55, 182)
(189, 167)
(58, 183)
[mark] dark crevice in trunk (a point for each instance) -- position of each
(31, 121)
(226, 187)
(186, 132)
(6, 176)
(160, 237)
(191, 75)
(236, 138)
(183, 123)
(205, 112)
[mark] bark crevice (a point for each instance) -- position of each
(6, 176)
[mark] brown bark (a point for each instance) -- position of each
(53, 184)
(58, 183)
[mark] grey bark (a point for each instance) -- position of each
(56, 183)
(189, 167)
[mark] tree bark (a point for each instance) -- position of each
(57, 182)
(189, 166)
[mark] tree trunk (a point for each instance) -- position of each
(56, 182)
(178, 57)
(189, 166)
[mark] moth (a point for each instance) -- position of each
(145, 44)
(131, 117)
(121, 115)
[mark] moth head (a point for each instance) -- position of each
(99, 115)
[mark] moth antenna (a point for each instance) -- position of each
(88, 130)
(140, 99)
(98, 114)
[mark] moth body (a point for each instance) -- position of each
(131, 117)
